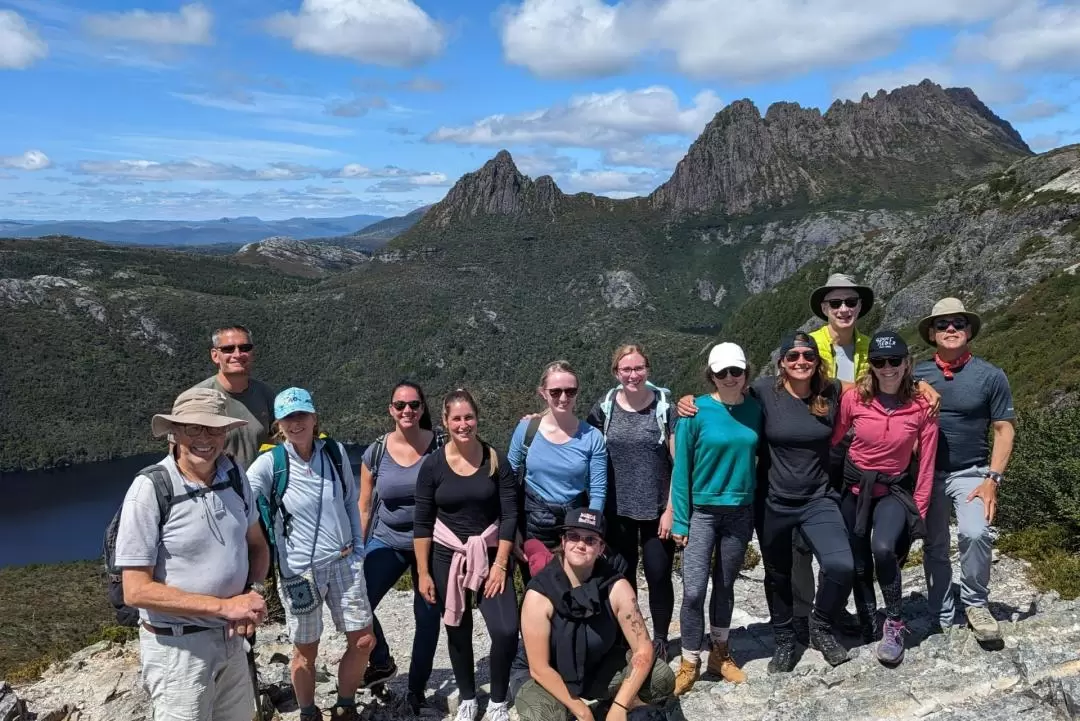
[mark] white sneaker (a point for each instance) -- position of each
(498, 711)
(466, 711)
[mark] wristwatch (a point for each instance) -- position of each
(995, 477)
(258, 587)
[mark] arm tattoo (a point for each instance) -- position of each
(637, 623)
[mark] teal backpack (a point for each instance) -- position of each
(663, 407)
(269, 507)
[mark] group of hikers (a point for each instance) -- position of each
(845, 455)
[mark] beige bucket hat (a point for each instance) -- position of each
(944, 307)
(196, 406)
(837, 281)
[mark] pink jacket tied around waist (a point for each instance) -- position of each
(468, 568)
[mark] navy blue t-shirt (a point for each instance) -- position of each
(977, 396)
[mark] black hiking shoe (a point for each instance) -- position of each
(416, 702)
(783, 660)
(315, 715)
(801, 626)
(376, 676)
(848, 624)
(822, 639)
(868, 628)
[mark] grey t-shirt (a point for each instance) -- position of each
(392, 522)
(640, 466)
(202, 548)
(977, 396)
(256, 406)
(845, 362)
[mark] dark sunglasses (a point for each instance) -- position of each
(194, 431)
(229, 349)
(733, 371)
(794, 355)
(558, 392)
(402, 405)
(835, 303)
(958, 323)
(588, 539)
(880, 362)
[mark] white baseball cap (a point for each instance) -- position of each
(726, 355)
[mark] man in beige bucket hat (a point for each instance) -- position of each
(191, 551)
(975, 398)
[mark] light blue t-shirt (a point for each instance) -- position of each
(323, 523)
(560, 472)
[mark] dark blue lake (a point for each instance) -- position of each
(60, 515)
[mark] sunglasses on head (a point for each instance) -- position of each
(835, 303)
(232, 348)
(558, 392)
(957, 323)
(733, 371)
(794, 355)
(194, 431)
(880, 362)
(588, 539)
(402, 405)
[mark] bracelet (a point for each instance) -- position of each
(502, 566)
(616, 703)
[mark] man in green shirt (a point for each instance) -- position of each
(232, 351)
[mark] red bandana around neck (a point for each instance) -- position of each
(949, 369)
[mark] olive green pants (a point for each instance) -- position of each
(533, 703)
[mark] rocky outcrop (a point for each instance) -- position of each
(499, 189)
(912, 144)
(378, 234)
(298, 257)
(621, 289)
(1034, 675)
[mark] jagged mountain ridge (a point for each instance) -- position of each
(908, 147)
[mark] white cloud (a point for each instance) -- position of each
(420, 84)
(121, 171)
(218, 148)
(355, 108)
(746, 41)
(1038, 110)
(305, 128)
(256, 102)
(543, 162)
(410, 183)
(1034, 35)
(614, 183)
(1048, 141)
(645, 155)
(316, 190)
(20, 46)
(30, 160)
(190, 26)
(396, 33)
(594, 120)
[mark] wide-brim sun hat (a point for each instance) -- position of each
(948, 307)
(841, 281)
(197, 407)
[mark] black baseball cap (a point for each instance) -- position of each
(886, 344)
(585, 519)
(797, 339)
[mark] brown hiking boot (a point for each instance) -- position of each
(688, 673)
(723, 665)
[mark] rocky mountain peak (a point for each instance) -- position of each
(911, 144)
(300, 257)
(497, 188)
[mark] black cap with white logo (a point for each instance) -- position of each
(886, 344)
(585, 519)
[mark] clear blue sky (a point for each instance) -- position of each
(278, 108)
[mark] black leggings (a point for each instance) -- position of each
(625, 536)
(823, 527)
(501, 616)
(878, 550)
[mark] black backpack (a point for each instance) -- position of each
(438, 440)
(163, 490)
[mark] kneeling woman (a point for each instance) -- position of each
(882, 505)
(574, 612)
(466, 501)
(317, 527)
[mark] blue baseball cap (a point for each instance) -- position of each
(292, 400)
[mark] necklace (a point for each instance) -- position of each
(729, 406)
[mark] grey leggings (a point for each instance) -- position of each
(715, 549)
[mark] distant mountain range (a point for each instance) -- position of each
(179, 233)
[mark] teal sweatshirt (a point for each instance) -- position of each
(715, 456)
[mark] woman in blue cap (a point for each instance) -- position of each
(308, 499)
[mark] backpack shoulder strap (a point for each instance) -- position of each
(376, 456)
(332, 449)
(163, 490)
(607, 405)
(663, 408)
(236, 481)
(281, 476)
(530, 434)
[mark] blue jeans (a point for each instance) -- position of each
(383, 566)
(950, 493)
